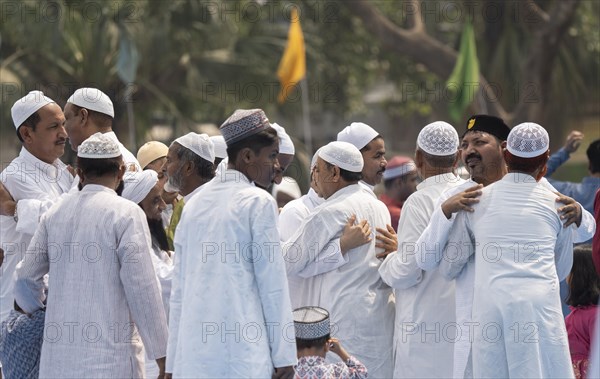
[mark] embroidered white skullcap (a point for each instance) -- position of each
(528, 140)
(399, 166)
(220, 146)
(342, 154)
(98, 146)
(311, 323)
(94, 100)
(28, 105)
(139, 184)
(200, 144)
(288, 186)
(438, 138)
(358, 134)
(286, 145)
(151, 151)
(313, 162)
(244, 123)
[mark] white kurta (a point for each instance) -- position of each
(230, 313)
(291, 217)
(519, 327)
(36, 185)
(425, 324)
(102, 287)
(360, 305)
(130, 161)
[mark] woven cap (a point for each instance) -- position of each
(438, 138)
(200, 144)
(359, 134)
(28, 105)
(93, 99)
(244, 123)
(528, 140)
(342, 154)
(98, 146)
(311, 322)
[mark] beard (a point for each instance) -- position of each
(174, 183)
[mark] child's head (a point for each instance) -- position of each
(584, 281)
(312, 328)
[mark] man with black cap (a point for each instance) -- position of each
(230, 303)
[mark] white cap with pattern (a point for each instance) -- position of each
(342, 154)
(311, 323)
(286, 145)
(528, 140)
(359, 134)
(220, 146)
(98, 146)
(438, 138)
(93, 99)
(200, 144)
(28, 105)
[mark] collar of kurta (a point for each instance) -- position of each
(312, 194)
(519, 177)
(346, 191)
(232, 175)
(187, 197)
(96, 188)
(51, 171)
(448, 177)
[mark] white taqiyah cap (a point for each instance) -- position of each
(288, 186)
(220, 146)
(98, 146)
(528, 140)
(200, 144)
(438, 138)
(94, 100)
(342, 154)
(28, 105)
(286, 145)
(313, 161)
(358, 134)
(137, 185)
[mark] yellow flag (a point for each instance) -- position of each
(292, 67)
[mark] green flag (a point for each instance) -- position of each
(463, 83)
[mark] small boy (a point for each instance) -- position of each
(313, 342)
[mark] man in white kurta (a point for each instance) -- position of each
(360, 304)
(230, 313)
(425, 315)
(35, 179)
(517, 268)
(103, 294)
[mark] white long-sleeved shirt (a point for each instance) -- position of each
(102, 288)
(424, 301)
(230, 308)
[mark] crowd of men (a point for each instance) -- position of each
(179, 261)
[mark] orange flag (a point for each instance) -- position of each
(292, 67)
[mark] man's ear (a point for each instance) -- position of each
(247, 155)
(335, 174)
(26, 133)
(83, 116)
(121, 173)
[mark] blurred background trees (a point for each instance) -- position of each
(187, 64)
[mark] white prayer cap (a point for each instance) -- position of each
(220, 146)
(28, 105)
(200, 144)
(286, 145)
(313, 162)
(342, 154)
(94, 100)
(399, 166)
(358, 134)
(139, 184)
(528, 140)
(311, 323)
(98, 146)
(288, 186)
(151, 151)
(438, 138)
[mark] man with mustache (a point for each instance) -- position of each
(190, 165)
(36, 178)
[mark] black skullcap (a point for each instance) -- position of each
(488, 124)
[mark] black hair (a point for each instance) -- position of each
(319, 343)
(584, 283)
(204, 169)
(30, 122)
(366, 148)
(157, 231)
(255, 142)
(444, 161)
(593, 154)
(527, 165)
(99, 118)
(99, 167)
(348, 176)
